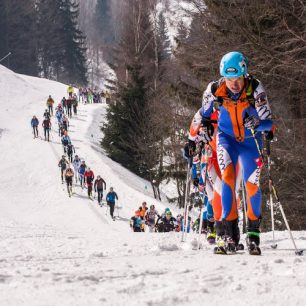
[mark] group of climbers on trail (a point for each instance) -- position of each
(73, 169)
(149, 218)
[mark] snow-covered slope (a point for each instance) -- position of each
(56, 250)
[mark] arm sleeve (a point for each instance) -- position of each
(208, 101)
(195, 125)
(263, 109)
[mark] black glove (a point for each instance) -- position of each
(269, 135)
(206, 133)
(251, 122)
(196, 182)
(189, 148)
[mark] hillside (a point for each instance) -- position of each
(56, 250)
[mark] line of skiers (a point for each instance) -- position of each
(88, 95)
(224, 150)
(71, 166)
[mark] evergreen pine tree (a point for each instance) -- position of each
(17, 35)
(103, 22)
(62, 51)
(122, 133)
(74, 50)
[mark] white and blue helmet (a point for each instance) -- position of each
(233, 65)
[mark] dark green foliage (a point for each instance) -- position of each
(44, 39)
(122, 133)
(17, 35)
(61, 44)
(103, 22)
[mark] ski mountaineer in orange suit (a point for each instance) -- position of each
(244, 113)
(214, 179)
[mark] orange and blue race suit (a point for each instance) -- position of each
(235, 143)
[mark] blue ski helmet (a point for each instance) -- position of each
(233, 65)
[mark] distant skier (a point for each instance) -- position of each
(111, 198)
(76, 165)
(47, 127)
(81, 172)
(75, 105)
(68, 178)
(89, 178)
(166, 223)
(50, 103)
(99, 184)
(136, 222)
(34, 124)
(65, 141)
(70, 151)
(150, 218)
(69, 106)
(65, 122)
(70, 90)
(46, 114)
(63, 165)
(64, 104)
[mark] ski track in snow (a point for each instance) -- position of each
(56, 250)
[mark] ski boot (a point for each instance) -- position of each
(230, 245)
(220, 248)
(253, 237)
(233, 231)
(253, 243)
(211, 234)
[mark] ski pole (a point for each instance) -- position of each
(297, 252)
(185, 199)
(274, 245)
(244, 202)
(205, 195)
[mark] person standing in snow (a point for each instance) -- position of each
(244, 113)
(46, 114)
(63, 165)
(89, 178)
(136, 222)
(150, 218)
(64, 104)
(70, 151)
(76, 165)
(69, 178)
(65, 122)
(81, 172)
(75, 105)
(47, 127)
(69, 106)
(166, 223)
(99, 184)
(70, 90)
(111, 198)
(50, 103)
(34, 124)
(65, 141)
